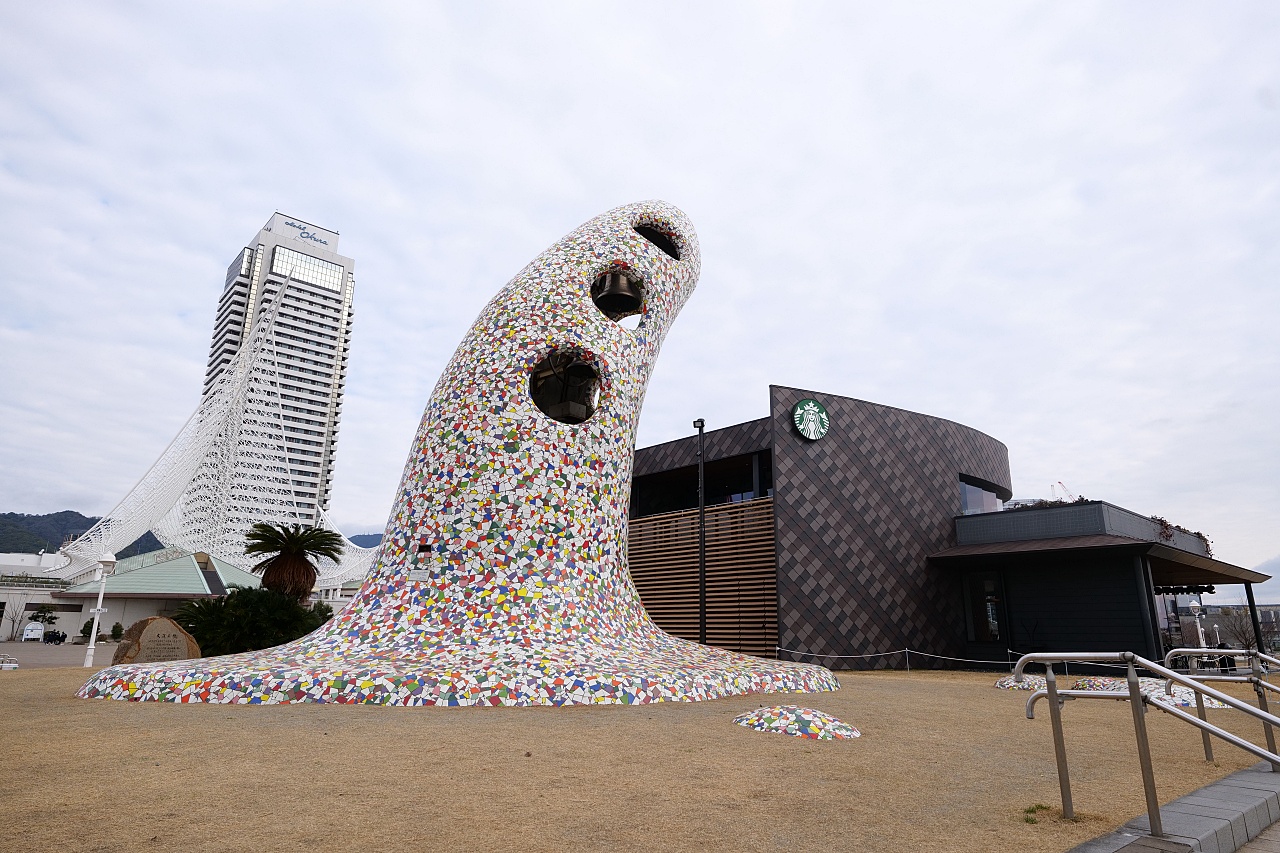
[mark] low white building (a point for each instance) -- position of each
(24, 587)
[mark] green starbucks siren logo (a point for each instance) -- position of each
(811, 419)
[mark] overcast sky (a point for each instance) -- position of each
(1057, 223)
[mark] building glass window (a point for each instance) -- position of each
(975, 499)
(287, 262)
(730, 480)
(985, 607)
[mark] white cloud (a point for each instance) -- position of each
(1054, 223)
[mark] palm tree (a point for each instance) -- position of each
(288, 568)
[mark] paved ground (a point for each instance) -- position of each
(39, 655)
(946, 762)
(1267, 842)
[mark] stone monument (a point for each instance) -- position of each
(155, 639)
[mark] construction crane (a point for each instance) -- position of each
(1069, 495)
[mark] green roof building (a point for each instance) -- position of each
(154, 584)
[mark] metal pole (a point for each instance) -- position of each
(1253, 613)
(105, 563)
(702, 535)
(1256, 665)
(1144, 752)
(1059, 744)
(1204, 735)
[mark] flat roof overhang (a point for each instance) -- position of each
(1169, 566)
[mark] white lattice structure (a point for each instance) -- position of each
(226, 470)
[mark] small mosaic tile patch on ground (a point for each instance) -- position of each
(1154, 688)
(1181, 697)
(797, 722)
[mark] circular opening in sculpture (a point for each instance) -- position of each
(660, 237)
(618, 294)
(565, 387)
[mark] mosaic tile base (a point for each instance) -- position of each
(797, 722)
(502, 578)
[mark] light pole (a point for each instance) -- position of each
(106, 565)
(702, 535)
(1195, 608)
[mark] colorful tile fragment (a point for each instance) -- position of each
(1183, 697)
(797, 722)
(502, 578)
(1028, 682)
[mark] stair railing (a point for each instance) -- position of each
(1138, 703)
(1257, 678)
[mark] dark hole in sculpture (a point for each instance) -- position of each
(565, 387)
(617, 294)
(659, 238)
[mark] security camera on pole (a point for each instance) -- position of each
(106, 565)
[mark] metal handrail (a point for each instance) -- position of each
(1256, 678)
(1198, 651)
(1138, 703)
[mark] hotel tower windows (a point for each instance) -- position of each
(312, 341)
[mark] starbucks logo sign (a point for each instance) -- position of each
(811, 419)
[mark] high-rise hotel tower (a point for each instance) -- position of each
(311, 341)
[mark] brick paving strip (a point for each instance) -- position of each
(1267, 842)
(1234, 813)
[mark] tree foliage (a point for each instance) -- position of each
(1236, 626)
(289, 549)
(247, 619)
(44, 614)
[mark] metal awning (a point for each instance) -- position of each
(1169, 566)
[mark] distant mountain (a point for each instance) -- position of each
(16, 539)
(28, 534)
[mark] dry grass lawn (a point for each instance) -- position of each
(946, 763)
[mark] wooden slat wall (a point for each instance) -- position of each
(742, 589)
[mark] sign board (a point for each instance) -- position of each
(33, 631)
(312, 235)
(811, 419)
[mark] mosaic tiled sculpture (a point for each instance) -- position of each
(503, 577)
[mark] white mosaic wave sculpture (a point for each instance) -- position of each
(503, 578)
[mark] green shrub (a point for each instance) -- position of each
(247, 619)
(87, 628)
(117, 631)
(44, 614)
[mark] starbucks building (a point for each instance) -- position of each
(839, 527)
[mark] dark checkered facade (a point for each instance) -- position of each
(721, 443)
(858, 512)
